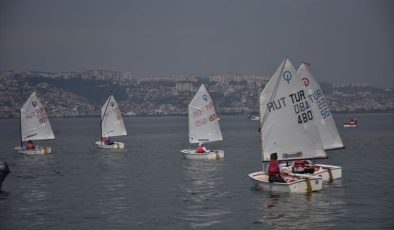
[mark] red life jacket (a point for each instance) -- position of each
(200, 149)
(273, 168)
(30, 146)
(299, 164)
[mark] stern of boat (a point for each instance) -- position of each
(116, 145)
(192, 154)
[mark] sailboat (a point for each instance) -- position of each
(203, 126)
(287, 128)
(112, 125)
(34, 125)
(324, 120)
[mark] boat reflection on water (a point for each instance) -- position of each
(202, 194)
(110, 192)
(294, 211)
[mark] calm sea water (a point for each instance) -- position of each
(150, 186)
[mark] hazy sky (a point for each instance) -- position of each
(344, 40)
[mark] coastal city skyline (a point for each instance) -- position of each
(68, 94)
(345, 41)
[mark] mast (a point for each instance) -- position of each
(20, 127)
(263, 118)
(102, 117)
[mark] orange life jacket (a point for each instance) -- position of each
(200, 149)
(273, 168)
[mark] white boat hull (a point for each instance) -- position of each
(116, 145)
(330, 172)
(294, 184)
(326, 172)
(192, 154)
(350, 125)
(37, 151)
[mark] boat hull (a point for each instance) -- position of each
(294, 184)
(192, 154)
(350, 125)
(37, 151)
(330, 172)
(116, 145)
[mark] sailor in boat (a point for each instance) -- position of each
(302, 166)
(30, 145)
(108, 141)
(202, 149)
(274, 171)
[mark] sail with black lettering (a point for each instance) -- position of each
(287, 120)
(203, 120)
(323, 117)
(111, 119)
(34, 121)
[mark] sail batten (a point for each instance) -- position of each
(34, 121)
(112, 124)
(287, 126)
(203, 120)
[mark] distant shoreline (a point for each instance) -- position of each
(185, 115)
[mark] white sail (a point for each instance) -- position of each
(322, 115)
(287, 126)
(34, 121)
(111, 119)
(203, 120)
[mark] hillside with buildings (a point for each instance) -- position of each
(83, 93)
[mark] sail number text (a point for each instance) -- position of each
(41, 115)
(301, 107)
(114, 110)
(318, 98)
(201, 115)
(204, 109)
